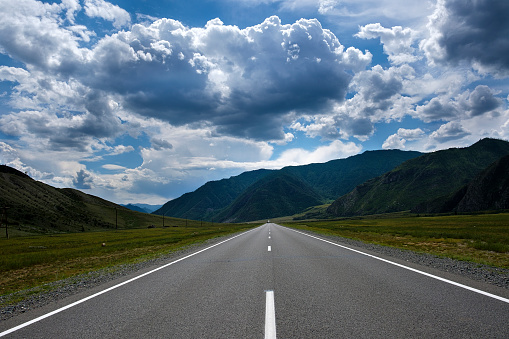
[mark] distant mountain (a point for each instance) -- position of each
(35, 207)
(487, 191)
(277, 194)
(420, 180)
(211, 198)
(244, 197)
(144, 208)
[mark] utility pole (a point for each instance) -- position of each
(3, 219)
(116, 219)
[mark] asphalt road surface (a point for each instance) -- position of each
(276, 282)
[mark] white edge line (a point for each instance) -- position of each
(494, 296)
(47, 315)
(270, 315)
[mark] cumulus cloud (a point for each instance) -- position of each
(410, 134)
(394, 142)
(470, 31)
(378, 85)
(379, 97)
(334, 150)
(241, 82)
(482, 100)
(107, 11)
(398, 140)
(438, 108)
(13, 74)
(82, 180)
(397, 41)
(450, 131)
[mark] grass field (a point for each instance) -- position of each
(481, 238)
(31, 261)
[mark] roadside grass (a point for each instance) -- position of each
(26, 262)
(479, 238)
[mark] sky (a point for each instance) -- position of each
(141, 101)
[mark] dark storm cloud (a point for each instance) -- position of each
(239, 82)
(473, 30)
(82, 180)
(160, 144)
(482, 100)
(242, 82)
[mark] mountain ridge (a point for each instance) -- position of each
(329, 180)
(416, 181)
(34, 207)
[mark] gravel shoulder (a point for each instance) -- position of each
(46, 294)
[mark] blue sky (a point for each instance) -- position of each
(143, 101)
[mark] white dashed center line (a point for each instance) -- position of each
(270, 315)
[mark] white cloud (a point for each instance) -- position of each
(354, 12)
(71, 7)
(450, 131)
(410, 134)
(394, 142)
(397, 41)
(398, 140)
(120, 149)
(107, 11)
(335, 150)
(113, 167)
(13, 74)
(438, 108)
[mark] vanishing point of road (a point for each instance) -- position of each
(271, 282)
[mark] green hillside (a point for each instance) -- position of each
(36, 208)
(337, 177)
(419, 180)
(211, 198)
(275, 195)
(487, 191)
(228, 198)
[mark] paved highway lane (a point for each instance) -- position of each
(275, 281)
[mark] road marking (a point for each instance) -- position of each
(47, 315)
(269, 249)
(494, 296)
(269, 236)
(270, 315)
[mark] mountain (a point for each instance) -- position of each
(277, 194)
(237, 198)
(210, 198)
(337, 177)
(34, 207)
(419, 180)
(144, 208)
(487, 191)
(135, 208)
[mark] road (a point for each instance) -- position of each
(274, 281)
